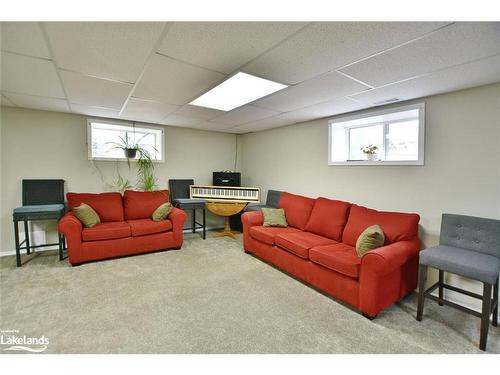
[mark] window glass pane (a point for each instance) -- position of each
(365, 136)
(105, 137)
(402, 140)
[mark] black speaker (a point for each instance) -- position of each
(229, 179)
(226, 179)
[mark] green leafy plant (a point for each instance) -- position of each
(146, 179)
(121, 184)
(148, 182)
(370, 149)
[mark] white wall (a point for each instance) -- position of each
(461, 173)
(41, 144)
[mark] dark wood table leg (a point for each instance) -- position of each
(485, 316)
(422, 273)
(16, 239)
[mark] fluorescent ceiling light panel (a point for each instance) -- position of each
(240, 89)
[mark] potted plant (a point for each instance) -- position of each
(371, 152)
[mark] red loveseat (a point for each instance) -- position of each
(126, 226)
(318, 247)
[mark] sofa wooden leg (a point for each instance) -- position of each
(247, 252)
(369, 317)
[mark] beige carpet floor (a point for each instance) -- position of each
(209, 297)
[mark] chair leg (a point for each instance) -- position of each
(61, 246)
(441, 282)
(27, 237)
(495, 300)
(16, 239)
(194, 221)
(485, 316)
(422, 273)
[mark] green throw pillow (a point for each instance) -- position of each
(274, 217)
(86, 215)
(371, 238)
(162, 212)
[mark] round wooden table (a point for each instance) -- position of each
(225, 209)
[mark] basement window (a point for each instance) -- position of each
(393, 136)
(104, 139)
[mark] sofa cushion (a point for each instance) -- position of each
(162, 211)
(109, 206)
(341, 258)
(86, 215)
(268, 234)
(106, 231)
(274, 217)
(397, 226)
(299, 243)
(371, 238)
(142, 204)
(297, 209)
(142, 227)
(328, 218)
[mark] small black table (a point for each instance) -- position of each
(33, 213)
(192, 204)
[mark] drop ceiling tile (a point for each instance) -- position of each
(25, 38)
(213, 126)
(329, 108)
(94, 111)
(170, 81)
(224, 46)
(247, 113)
(113, 50)
(324, 46)
(28, 75)
(90, 91)
(180, 120)
(199, 112)
(147, 110)
(477, 73)
(265, 124)
(38, 102)
(316, 90)
(453, 45)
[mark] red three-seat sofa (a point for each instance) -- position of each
(318, 247)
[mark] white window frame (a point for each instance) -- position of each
(122, 124)
(421, 136)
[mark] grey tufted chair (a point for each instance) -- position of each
(470, 247)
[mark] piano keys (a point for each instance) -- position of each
(225, 193)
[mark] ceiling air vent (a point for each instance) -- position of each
(387, 101)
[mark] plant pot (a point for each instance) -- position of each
(130, 153)
(372, 157)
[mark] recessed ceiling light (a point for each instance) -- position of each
(240, 89)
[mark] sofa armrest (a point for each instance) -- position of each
(387, 274)
(71, 228)
(388, 258)
(177, 217)
(252, 219)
